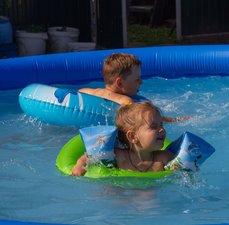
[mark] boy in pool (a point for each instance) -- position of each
(141, 136)
(122, 77)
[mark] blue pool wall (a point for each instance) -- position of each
(72, 68)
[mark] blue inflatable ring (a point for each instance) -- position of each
(63, 107)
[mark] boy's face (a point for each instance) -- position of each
(131, 83)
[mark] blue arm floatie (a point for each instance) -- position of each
(99, 142)
(190, 150)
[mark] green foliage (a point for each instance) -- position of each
(35, 29)
(5, 3)
(150, 36)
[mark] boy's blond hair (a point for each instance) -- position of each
(131, 118)
(118, 64)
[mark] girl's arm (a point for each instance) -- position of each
(78, 169)
(162, 158)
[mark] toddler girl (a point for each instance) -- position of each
(141, 136)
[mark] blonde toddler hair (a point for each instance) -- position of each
(131, 118)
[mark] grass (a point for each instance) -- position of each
(147, 36)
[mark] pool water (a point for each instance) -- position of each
(32, 189)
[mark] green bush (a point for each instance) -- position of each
(151, 36)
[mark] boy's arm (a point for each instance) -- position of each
(177, 119)
(109, 95)
(78, 169)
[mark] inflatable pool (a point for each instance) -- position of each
(83, 67)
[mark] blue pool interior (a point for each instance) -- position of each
(33, 190)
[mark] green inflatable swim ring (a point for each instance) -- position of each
(75, 148)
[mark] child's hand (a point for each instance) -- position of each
(177, 119)
(77, 171)
(158, 166)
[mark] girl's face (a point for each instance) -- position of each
(151, 134)
(131, 84)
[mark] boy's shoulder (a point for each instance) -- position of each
(104, 93)
(88, 90)
(124, 100)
